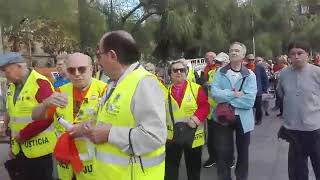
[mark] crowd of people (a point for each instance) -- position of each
(124, 122)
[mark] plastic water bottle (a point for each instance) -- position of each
(65, 123)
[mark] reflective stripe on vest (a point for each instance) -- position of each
(88, 111)
(21, 119)
(117, 111)
(89, 152)
(185, 111)
(20, 116)
(190, 76)
(109, 158)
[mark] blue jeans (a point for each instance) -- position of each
(224, 149)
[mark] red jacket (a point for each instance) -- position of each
(36, 127)
(202, 100)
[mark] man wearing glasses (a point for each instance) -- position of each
(75, 102)
(130, 133)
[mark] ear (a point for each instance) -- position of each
(113, 55)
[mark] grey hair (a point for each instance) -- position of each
(244, 48)
(62, 57)
(150, 66)
(180, 61)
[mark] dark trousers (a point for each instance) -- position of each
(224, 148)
(303, 144)
(192, 158)
(258, 108)
(279, 103)
(35, 168)
(210, 141)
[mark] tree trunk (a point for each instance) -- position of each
(1, 39)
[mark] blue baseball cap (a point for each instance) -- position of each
(10, 58)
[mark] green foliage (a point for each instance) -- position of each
(167, 29)
(92, 25)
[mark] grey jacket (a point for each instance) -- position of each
(301, 97)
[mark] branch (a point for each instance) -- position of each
(124, 19)
(146, 16)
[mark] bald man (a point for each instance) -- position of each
(75, 102)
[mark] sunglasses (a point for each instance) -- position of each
(181, 70)
(81, 70)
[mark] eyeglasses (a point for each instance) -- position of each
(181, 70)
(81, 70)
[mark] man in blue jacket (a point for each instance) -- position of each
(226, 89)
(262, 84)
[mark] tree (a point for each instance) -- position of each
(48, 32)
(91, 26)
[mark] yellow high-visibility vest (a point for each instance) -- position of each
(211, 101)
(185, 111)
(111, 160)
(88, 111)
(20, 116)
(190, 76)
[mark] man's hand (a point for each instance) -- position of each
(18, 139)
(238, 94)
(79, 130)
(194, 122)
(57, 100)
(100, 133)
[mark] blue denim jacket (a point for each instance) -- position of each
(221, 91)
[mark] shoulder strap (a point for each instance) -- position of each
(192, 91)
(170, 106)
(242, 83)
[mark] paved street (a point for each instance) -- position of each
(268, 156)
(3, 158)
